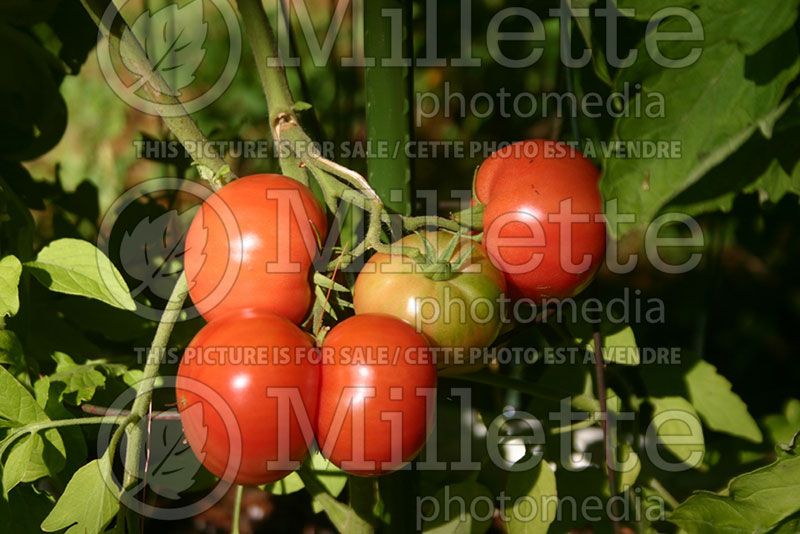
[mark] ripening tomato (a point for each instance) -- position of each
(543, 221)
(377, 394)
(462, 312)
(247, 393)
(251, 246)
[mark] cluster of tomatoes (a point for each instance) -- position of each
(254, 391)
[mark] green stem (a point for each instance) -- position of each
(280, 103)
(182, 125)
(415, 223)
(471, 217)
(237, 510)
(45, 425)
(144, 391)
(388, 105)
(662, 491)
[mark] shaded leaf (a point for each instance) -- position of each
(720, 408)
(735, 85)
(782, 428)
(535, 500)
(474, 518)
(82, 380)
(710, 393)
(619, 346)
(755, 502)
(677, 426)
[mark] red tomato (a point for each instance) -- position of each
(543, 224)
(377, 394)
(251, 246)
(233, 421)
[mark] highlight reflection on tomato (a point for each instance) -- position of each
(543, 221)
(251, 246)
(234, 357)
(376, 395)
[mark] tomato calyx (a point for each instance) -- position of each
(441, 266)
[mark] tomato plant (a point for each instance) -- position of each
(672, 138)
(543, 220)
(251, 246)
(451, 295)
(376, 394)
(247, 360)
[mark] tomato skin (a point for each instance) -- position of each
(242, 385)
(393, 284)
(386, 388)
(522, 186)
(239, 233)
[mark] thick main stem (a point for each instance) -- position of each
(388, 104)
(271, 72)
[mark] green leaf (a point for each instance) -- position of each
(710, 393)
(331, 477)
(25, 462)
(88, 503)
(720, 408)
(535, 500)
(450, 516)
(790, 525)
(630, 467)
(619, 347)
(736, 84)
(782, 428)
(16, 403)
(10, 349)
(76, 267)
(755, 502)
(768, 167)
(82, 380)
(10, 270)
(344, 518)
(644, 9)
(30, 457)
(678, 428)
(585, 27)
(301, 106)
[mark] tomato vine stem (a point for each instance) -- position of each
(181, 125)
(237, 510)
(144, 388)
